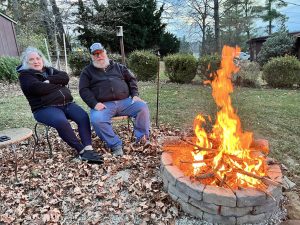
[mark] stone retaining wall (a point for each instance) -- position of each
(217, 204)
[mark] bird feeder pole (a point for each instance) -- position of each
(120, 35)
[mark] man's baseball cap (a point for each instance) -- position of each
(96, 46)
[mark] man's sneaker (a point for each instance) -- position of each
(91, 157)
(117, 151)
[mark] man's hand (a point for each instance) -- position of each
(99, 106)
(137, 99)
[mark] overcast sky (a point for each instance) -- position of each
(180, 28)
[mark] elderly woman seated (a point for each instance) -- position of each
(52, 103)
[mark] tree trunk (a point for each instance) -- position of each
(217, 26)
(59, 25)
(46, 19)
(270, 19)
(16, 13)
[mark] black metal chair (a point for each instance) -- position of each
(47, 128)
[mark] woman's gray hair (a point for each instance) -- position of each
(25, 54)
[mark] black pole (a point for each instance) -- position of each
(157, 90)
(122, 50)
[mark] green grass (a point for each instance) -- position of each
(269, 113)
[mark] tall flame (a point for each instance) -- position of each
(227, 138)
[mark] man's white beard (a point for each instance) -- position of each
(102, 64)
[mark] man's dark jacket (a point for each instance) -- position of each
(115, 82)
(40, 94)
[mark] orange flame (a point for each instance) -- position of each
(227, 138)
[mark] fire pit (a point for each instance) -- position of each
(222, 176)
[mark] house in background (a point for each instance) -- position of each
(255, 45)
(8, 42)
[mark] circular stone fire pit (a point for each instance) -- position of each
(218, 204)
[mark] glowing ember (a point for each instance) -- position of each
(227, 156)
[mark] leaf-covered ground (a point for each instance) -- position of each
(67, 191)
(127, 190)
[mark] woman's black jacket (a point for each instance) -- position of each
(41, 94)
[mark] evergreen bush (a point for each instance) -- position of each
(282, 71)
(180, 68)
(208, 64)
(8, 68)
(144, 64)
(78, 60)
(279, 44)
(248, 75)
(116, 57)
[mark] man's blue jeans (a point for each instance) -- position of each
(57, 117)
(101, 120)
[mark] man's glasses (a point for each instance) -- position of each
(97, 54)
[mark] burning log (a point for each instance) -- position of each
(199, 148)
(205, 175)
(206, 161)
(265, 180)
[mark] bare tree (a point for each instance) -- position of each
(217, 26)
(58, 24)
(199, 12)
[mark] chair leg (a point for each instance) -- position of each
(128, 125)
(16, 161)
(36, 138)
(49, 144)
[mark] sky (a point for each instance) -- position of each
(180, 25)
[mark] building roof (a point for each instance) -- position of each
(263, 38)
(7, 17)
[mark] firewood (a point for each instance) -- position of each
(205, 175)
(197, 161)
(264, 179)
(199, 148)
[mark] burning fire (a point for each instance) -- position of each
(225, 155)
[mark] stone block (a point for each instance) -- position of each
(172, 173)
(205, 207)
(173, 190)
(166, 159)
(173, 197)
(250, 197)
(165, 185)
(274, 172)
(190, 209)
(267, 208)
(192, 189)
(235, 211)
(250, 219)
(219, 196)
(219, 219)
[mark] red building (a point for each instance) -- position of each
(8, 42)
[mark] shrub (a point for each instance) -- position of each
(279, 44)
(207, 65)
(180, 68)
(8, 68)
(78, 60)
(282, 71)
(144, 64)
(116, 57)
(27, 38)
(248, 75)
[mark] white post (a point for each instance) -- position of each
(66, 60)
(47, 50)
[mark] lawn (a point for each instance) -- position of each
(272, 114)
